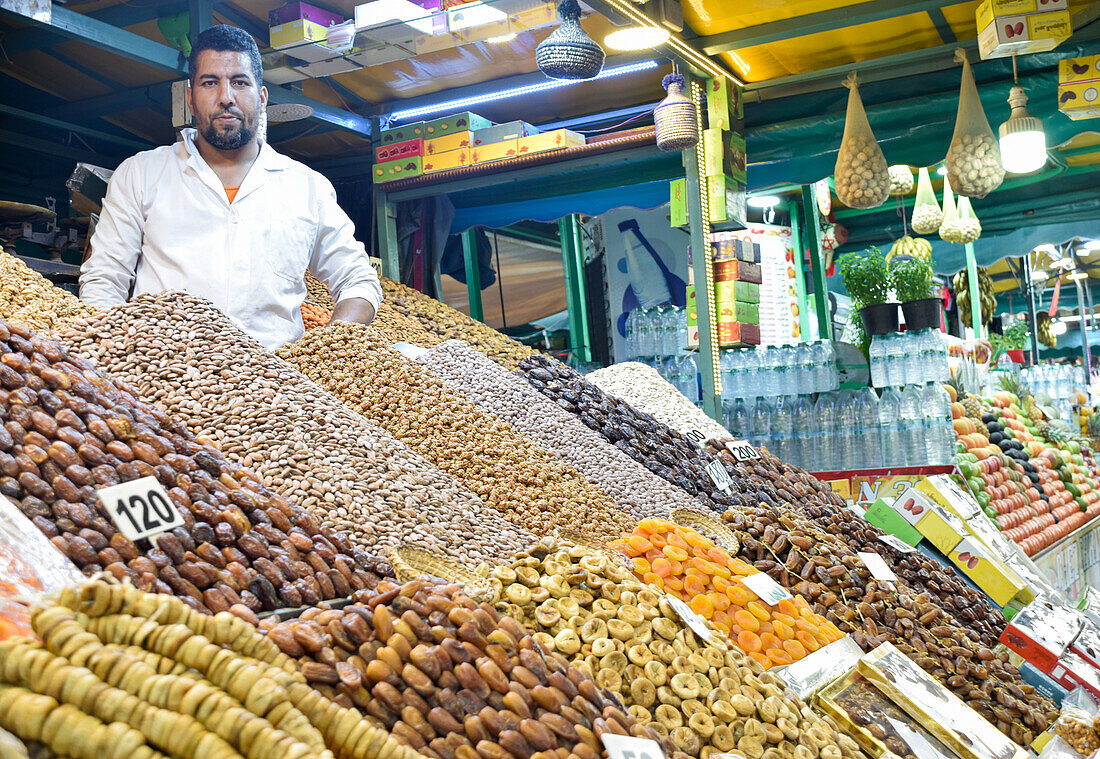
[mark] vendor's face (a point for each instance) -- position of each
(226, 99)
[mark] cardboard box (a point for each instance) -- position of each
(553, 140)
(330, 67)
(495, 151)
(728, 201)
(448, 142)
(291, 12)
(452, 159)
(1042, 632)
(1043, 683)
(1071, 671)
(746, 312)
(735, 161)
(1079, 87)
(726, 248)
(712, 151)
(510, 130)
(746, 291)
(403, 133)
(397, 151)
(1087, 643)
(1016, 27)
(742, 271)
(392, 170)
(883, 516)
(718, 103)
(296, 32)
(677, 203)
(457, 122)
(732, 334)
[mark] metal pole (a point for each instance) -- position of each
(702, 264)
(385, 215)
(1084, 325)
(473, 274)
(800, 274)
(1029, 288)
(817, 263)
(975, 297)
(569, 232)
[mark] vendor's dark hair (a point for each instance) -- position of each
(225, 38)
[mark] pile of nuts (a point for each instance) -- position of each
(861, 176)
(973, 164)
(314, 316)
(964, 227)
(450, 324)
(317, 293)
(901, 180)
(183, 353)
(529, 485)
(28, 298)
(452, 678)
(927, 218)
(122, 674)
(707, 699)
(391, 326)
(71, 430)
(499, 392)
(646, 390)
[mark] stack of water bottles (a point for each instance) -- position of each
(802, 368)
(1059, 381)
(657, 337)
(909, 358)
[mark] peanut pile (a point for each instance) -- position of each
(452, 678)
(450, 324)
(391, 326)
(183, 353)
(499, 392)
(29, 298)
(71, 430)
(109, 682)
(529, 485)
(707, 699)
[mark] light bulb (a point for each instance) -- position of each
(1058, 328)
(636, 38)
(762, 201)
(1023, 142)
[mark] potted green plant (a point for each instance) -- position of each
(866, 278)
(1015, 339)
(911, 280)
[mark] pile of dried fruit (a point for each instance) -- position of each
(687, 565)
(451, 678)
(309, 447)
(705, 698)
(449, 324)
(29, 298)
(497, 391)
(314, 316)
(71, 430)
(528, 484)
(109, 682)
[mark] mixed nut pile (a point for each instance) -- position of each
(30, 299)
(181, 352)
(529, 485)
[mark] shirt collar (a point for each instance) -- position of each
(269, 159)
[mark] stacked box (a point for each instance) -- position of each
(553, 140)
(458, 122)
(1016, 27)
(393, 170)
(396, 151)
(510, 130)
(451, 159)
(413, 131)
(736, 296)
(448, 142)
(495, 151)
(1079, 87)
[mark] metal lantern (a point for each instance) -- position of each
(569, 53)
(677, 127)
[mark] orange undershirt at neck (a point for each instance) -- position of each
(231, 193)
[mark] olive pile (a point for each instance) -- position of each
(70, 430)
(452, 678)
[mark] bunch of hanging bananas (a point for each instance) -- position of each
(1043, 331)
(916, 247)
(988, 303)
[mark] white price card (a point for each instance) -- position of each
(415, 352)
(742, 451)
(769, 590)
(140, 508)
(696, 437)
(629, 747)
(895, 542)
(877, 565)
(718, 475)
(695, 622)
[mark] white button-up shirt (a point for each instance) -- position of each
(168, 225)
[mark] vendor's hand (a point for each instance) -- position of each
(356, 310)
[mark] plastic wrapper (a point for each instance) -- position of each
(950, 214)
(901, 180)
(15, 620)
(974, 156)
(29, 562)
(964, 227)
(862, 178)
(927, 215)
(1075, 727)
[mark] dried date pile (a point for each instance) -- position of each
(183, 353)
(452, 678)
(529, 485)
(69, 430)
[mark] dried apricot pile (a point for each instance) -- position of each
(684, 563)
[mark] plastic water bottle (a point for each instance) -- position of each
(739, 423)
(761, 423)
(913, 425)
(874, 356)
(822, 374)
(725, 371)
(869, 449)
(782, 427)
(937, 412)
(689, 377)
(825, 440)
(750, 381)
(802, 433)
(893, 452)
(847, 429)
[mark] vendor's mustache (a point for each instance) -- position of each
(236, 114)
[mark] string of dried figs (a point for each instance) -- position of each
(706, 698)
(450, 324)
(183, 353)
(122, 674)
(497, 391)
(816, 500)
(530, 486)
(29, 298)
(70, 430)
(454, 679)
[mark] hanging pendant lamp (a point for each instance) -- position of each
(674, 117)
(569, 53)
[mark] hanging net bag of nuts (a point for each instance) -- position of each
(964, 227)
(974, 157)
(861, 176)
(950, 215)
(901, 180)
(927, 215)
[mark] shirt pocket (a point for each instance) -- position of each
(288, 246)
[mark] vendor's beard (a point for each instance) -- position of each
(233, 140)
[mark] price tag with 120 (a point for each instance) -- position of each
(629, 747)
(140, 508)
